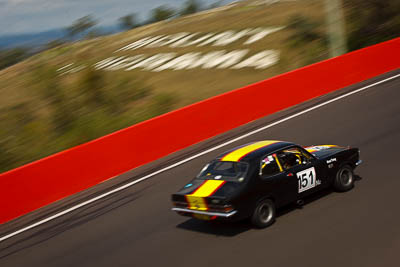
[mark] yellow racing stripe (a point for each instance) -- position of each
(196, 200)
(236, 155)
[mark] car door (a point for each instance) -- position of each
(304, 168)
(274, 181)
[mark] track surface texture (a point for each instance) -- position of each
(135, 227)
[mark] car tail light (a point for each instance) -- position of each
(221, 208)
(228, 208)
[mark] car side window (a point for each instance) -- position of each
(269, 165)
(292, 157)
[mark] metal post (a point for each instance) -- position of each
(336, 27)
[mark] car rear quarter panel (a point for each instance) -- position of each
(336, 161)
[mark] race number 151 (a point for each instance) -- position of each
(306, 179)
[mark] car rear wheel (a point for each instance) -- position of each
(344, 180)
(264, 214)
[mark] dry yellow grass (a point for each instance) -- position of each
(21, 143)
(189, 85)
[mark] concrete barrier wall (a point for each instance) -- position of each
(42, 182)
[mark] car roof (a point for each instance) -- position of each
(253, 150)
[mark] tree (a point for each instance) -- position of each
(372, 21)
(92, 88)
(54, 43)
(80, 25)
(303, 29)
(190, 7)
(94, 33)
(12, 56)
(128, 22)
(162, 13)
(49, 85)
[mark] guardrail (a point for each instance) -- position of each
(50, 179)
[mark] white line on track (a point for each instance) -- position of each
(85, 203)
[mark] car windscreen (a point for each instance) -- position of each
(224, 170)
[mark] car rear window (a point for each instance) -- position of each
(224, 170)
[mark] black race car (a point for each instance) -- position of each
(253, 180)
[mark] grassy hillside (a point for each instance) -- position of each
(57, 99)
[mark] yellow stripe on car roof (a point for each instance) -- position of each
(237, 154)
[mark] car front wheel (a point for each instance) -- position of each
(344, 180)
(264, 214)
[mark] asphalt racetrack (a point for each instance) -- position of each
(135, 227)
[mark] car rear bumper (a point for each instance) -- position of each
(208, 213)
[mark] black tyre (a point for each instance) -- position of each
(264, 214)
(344, 180)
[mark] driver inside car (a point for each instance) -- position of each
(288, 160)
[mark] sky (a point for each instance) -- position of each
(30, 16)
